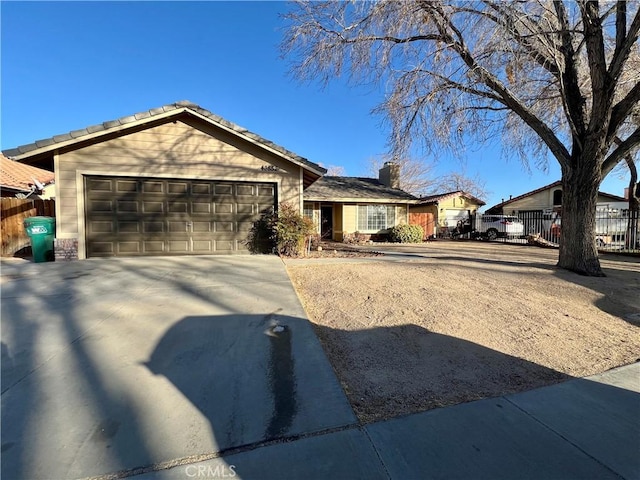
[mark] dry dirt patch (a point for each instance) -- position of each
(463, 322)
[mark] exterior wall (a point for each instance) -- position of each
(544, 201)
(538, 201)
(345, 220)
(460, 204)
(181, 149)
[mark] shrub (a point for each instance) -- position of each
(286, 231)
(291, 230)
(406, 233)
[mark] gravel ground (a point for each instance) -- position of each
(442, 323)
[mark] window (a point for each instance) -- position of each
(557, 197)
(376, 217)
(308, 211)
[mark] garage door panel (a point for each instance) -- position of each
(203, 246)
(178, 207)
(201, 208)
(101, 185)
(153, 207)
(198, 188)
(124, 186)
(223, 189)
(201, 227)
(153, 247)
(129, 248)
(101, 227)
(101, 206)
(179, 246)
(128, 227)
(126, 206)
(149, 216)
(178, 188)
(225, 246)
(153, 186)
(101, 248)
(153, 227)
(226, 227)
(222, 208)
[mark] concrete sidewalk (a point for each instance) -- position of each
(581, 429)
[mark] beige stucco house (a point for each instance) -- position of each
(443, 211)
(342, 206)
(174, 180)
(548, 199)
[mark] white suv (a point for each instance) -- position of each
(494, 226)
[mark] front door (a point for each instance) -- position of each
(326, 222)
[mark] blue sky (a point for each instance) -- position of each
(69, 65)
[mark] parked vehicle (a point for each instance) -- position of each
(495, 226)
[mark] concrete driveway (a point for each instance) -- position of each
(130, 365)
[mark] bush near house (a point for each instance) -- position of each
(406, 234)
(284, 230)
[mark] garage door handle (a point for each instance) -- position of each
(189, 226)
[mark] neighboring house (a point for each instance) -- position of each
(342, 206)
(20, 180)
(548, 200)
(174, 180)
(443, 211)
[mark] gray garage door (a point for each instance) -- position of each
(156, 216)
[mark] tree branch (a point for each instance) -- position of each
(507, 98)
(624, 148)
(569, 83)
(623, 44)
(621, 111)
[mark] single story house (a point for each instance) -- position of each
(548, 200)
(22, 181)
(342, 206)
(443, 211)
(174, 180)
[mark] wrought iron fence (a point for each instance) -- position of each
(616, 230)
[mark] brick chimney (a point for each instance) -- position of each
(389, 175)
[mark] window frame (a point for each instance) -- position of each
(374, 215)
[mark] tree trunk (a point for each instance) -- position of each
(578, 251)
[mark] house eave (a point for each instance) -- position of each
(359, 200)
(79, 138)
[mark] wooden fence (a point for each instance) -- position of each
(13, 211)
(425, 220)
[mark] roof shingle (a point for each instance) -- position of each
(18, 176)
(78, 135)
(341, 188)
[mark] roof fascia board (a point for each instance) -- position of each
(155, 118)
(98, 134)
(359, 200)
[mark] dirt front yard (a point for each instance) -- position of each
(449, 322)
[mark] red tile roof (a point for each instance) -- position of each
(20, 177)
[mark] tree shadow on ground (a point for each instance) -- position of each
(398, 370)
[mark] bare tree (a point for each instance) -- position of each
(416, 176)
(335, 171)
(548, 76)
(455, 181)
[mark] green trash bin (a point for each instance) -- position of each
(42, 231)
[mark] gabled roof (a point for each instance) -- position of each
(435, 199)
(556, 184)
(330, 188)
(75, 137)
(19, 177)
